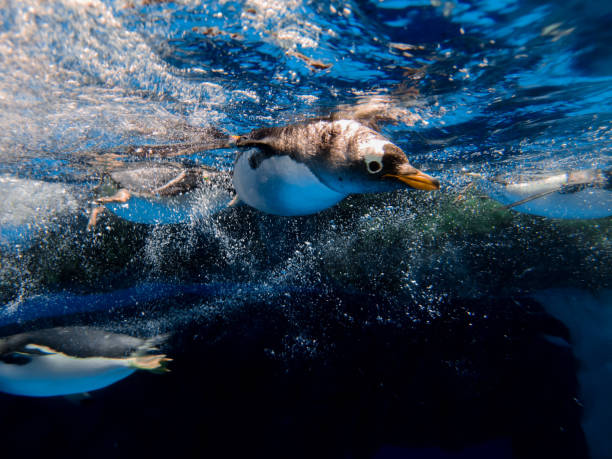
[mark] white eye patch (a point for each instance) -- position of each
(373, 163)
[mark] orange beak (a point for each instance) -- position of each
(417, 179)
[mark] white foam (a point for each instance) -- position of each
(72, 73)
(29, 205)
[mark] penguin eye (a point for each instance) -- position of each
(374, 166)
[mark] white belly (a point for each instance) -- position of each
(281, 186)
(58, 374)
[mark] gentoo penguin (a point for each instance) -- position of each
(573, 194)
(303, 168)
(72, 360)
(163, 192)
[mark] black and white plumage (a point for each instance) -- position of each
(303, 168)
(72, 360)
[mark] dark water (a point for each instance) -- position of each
(396, 325)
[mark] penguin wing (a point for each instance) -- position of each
(533, 197)
(178, 149)
(192, 139)
(374, 111)
(371, 117)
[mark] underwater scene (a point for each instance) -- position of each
(321, 229)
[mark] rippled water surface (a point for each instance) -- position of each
(405, 324)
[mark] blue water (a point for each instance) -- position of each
(403, 324)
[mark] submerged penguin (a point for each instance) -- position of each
(72, 360)
(578, 194)
(303, 168)
(163, 192)
(307, 167)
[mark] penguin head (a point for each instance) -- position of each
(377, 165)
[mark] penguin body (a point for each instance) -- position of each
(165, 193)
(296, 169)
(579, 194)
(303, 168)
(72, 360)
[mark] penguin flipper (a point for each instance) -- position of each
(532, 198)
(370, 116)
(375, 110)
(179, 149)
(192, 139)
